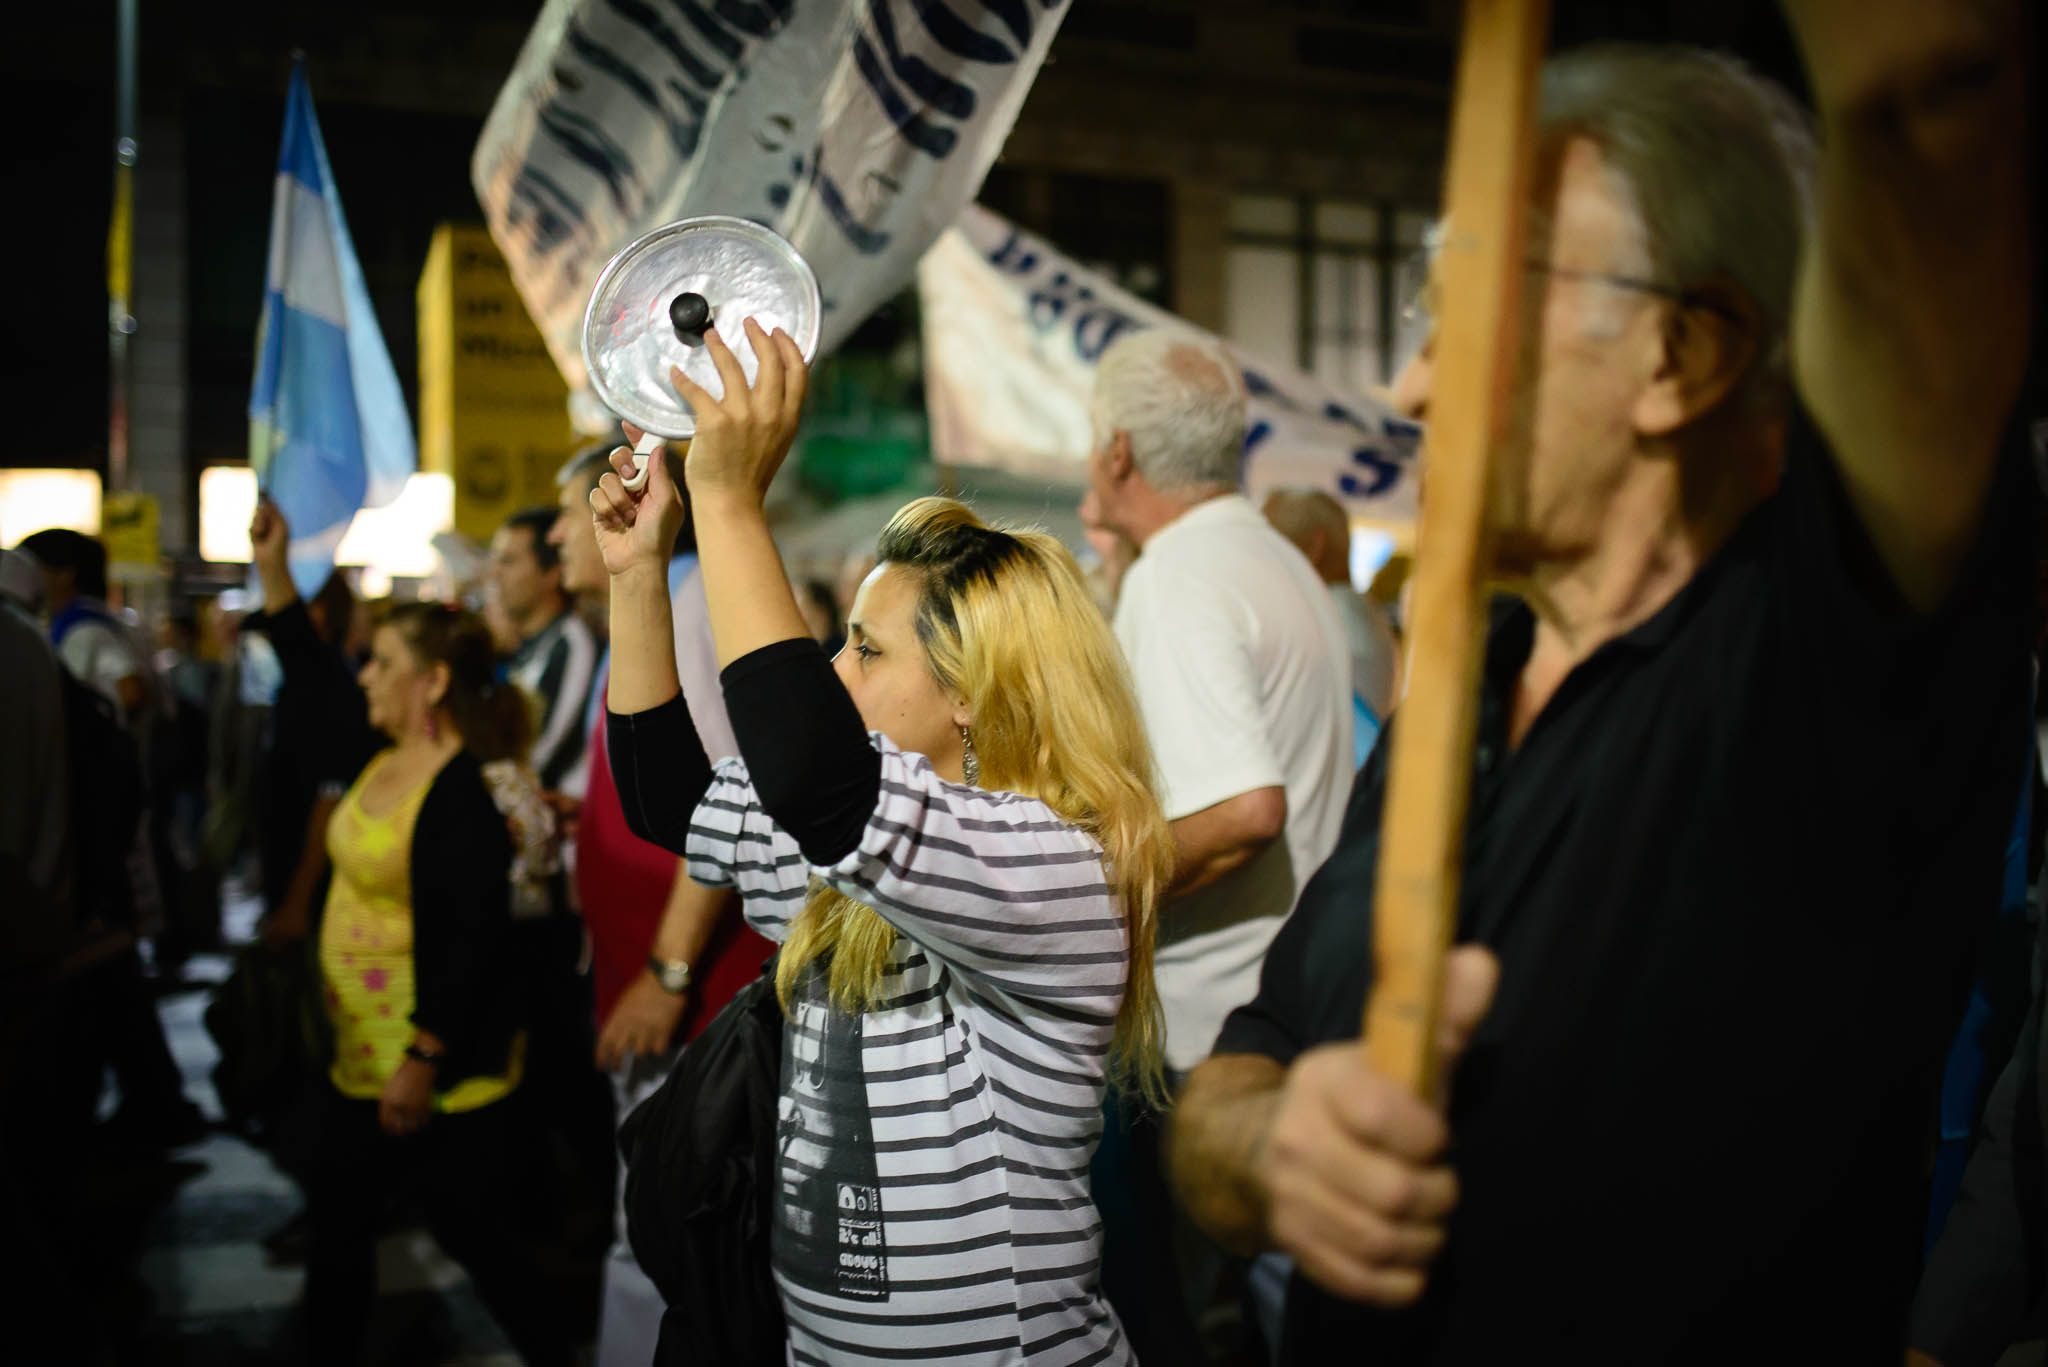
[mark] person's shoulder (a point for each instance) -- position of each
(1209, 548)
(460, 784)
(572, 627)
(987, 806)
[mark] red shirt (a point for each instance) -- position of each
(623, 883)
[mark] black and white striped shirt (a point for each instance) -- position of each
(933, 1199)
(558, 665)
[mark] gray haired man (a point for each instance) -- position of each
(1746, 751)
(1241, 670)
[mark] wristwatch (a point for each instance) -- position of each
(672, 974)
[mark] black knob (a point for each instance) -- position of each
(689, 313)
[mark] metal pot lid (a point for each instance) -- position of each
(654, 299)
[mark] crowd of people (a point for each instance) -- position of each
(1061, 881)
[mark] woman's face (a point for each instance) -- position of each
(885, 670)
(400, 690)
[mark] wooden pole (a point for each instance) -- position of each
(1481, 267)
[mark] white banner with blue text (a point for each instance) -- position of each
(1012, 332)
(855, 128)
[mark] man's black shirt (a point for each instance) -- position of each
(1731, 873)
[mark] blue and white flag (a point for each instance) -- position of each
(855, 128)
(1012, 331)
(328, 430)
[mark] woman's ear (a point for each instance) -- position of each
(961, 715)
(437, 684)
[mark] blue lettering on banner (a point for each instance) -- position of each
(1337, 412)
(937, 90)
(961, 39)
(932, 96)
(1256, 433)
(1402, 432)
(552, 222)
(1385, 471)
(1096, 328)
(931, 91)
(866, 240)
(679, 99)
(1013, 256)
(1017, 16)
(643, 17)
(925, 137)
(585, 142)
(681, 132)
(1061, 299)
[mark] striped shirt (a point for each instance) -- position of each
(558, 666)
(933, 1199)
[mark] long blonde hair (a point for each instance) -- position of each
(1007, 623)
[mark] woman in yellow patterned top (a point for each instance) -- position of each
(415, 973)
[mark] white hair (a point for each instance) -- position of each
(1717, 163)
(1180, 399)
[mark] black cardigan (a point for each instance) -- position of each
(463, 983)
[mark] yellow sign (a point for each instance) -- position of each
(128, 529)
(494, 411)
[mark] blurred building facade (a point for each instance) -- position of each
(1264, 170)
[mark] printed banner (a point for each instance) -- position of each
(1012, 332)
(855, 128)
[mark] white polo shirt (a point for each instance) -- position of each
(1243, 675)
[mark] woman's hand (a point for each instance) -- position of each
(743, 437)
(637, 529)
(407, 1103)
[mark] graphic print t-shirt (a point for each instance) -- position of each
(933, 1198)
(828, 1232)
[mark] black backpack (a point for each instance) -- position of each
(700, 1185)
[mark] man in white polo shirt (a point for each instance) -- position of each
(1241, 667)
(1243, 675)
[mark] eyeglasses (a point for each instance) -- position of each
(1421, 309)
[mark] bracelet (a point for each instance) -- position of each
(432, 1058)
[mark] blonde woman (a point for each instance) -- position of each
(956, 842)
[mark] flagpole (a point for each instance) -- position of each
(121, 247)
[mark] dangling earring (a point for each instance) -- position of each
(433, 729)
(970, 763)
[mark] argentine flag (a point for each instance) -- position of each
(328, 430)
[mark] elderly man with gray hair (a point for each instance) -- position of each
(1321, 530)
(1240, 665)
(1746, 750)
(1239, 662)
